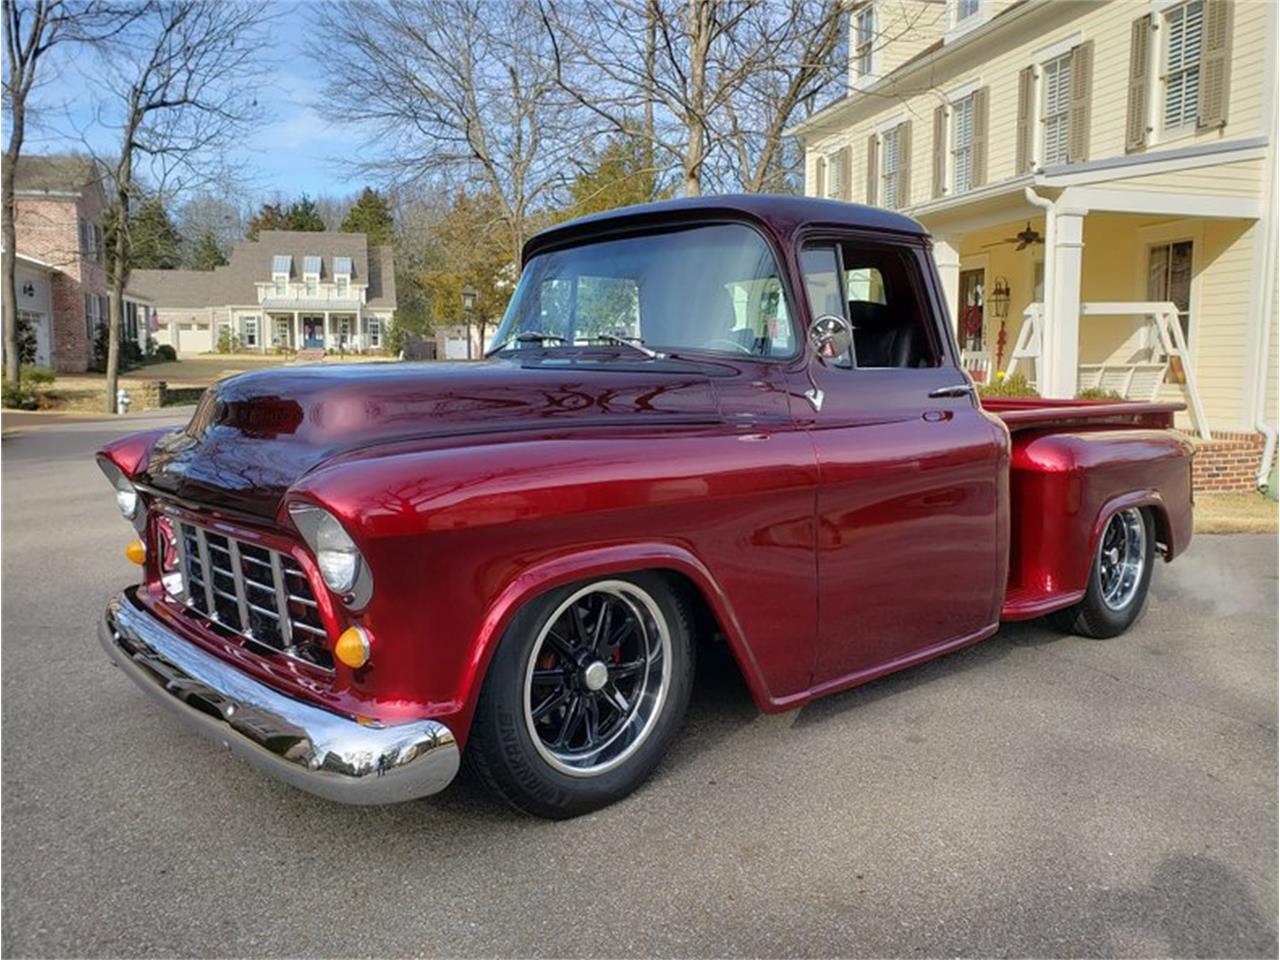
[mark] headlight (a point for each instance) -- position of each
(339, 560)
(126, 498)
(336, 555)
(126, 494)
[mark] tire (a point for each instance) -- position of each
(1119, 578)
(579, 705)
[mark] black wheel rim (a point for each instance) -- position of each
(597, 678)
(1122, 558)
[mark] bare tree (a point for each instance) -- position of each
(180, 82)
(712, 85)
(458, 91)
(31, 29)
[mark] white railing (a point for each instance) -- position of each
(1133, 380)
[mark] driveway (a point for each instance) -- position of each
(1035, 794)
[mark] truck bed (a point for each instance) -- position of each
(1028, 413)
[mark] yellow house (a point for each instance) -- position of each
(1099, 177)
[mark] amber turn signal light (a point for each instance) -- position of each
(136, 552)
(352, 647)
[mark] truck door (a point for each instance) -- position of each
(912, 474)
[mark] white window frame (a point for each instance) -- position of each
(281, 284)
(1164, 234)
(311, 285)
(342, 286)
(373, 327)
(958, 26)
(883, 194)
(1160, 80)
(1063, 115)
(954, 147)
(249, 336)
(863, 62)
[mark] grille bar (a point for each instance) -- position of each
(259, 593)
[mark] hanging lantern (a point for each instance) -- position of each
(999, 298)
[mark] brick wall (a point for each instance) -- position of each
(1228, 463)
(48, 229)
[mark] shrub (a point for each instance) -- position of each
(34, 375)
(1097, 393)
(17, 396)
(1002, 386)
(166, 353)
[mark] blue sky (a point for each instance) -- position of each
(293, 152)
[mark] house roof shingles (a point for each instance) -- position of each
(55, 173)
(251, 263)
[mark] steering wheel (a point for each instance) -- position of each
(741, 348)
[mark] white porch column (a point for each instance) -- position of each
(325, 337)
(946, 255)
(297, 331)
(1064, 249)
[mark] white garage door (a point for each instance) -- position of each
(194, 338)
(455, 348)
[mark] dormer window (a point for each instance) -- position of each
(281, 267)
(311, 275)
(341, 276)
(966, 9)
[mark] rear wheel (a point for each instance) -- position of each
(1118, 579)
(588, 687)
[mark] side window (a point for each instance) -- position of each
(876, 289)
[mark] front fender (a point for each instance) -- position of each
(459, 538)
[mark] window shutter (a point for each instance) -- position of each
(873, 168)
(939, 152)
(904, 164)
(846, 173)
(820, 177)
(1136, 122)
(1026, 93)
(1215, 64)
(1081, 97)
(978, 176)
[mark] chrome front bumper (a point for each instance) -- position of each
(306, 746)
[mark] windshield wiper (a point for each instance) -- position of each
(635, 343)
(529, 336)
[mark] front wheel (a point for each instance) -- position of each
(1118, 579)
(586, 690)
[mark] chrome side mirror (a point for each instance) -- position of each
(831, 337)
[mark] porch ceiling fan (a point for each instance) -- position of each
(1023, 238)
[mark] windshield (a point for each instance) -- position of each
(702, 288)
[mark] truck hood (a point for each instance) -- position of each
(254, 435)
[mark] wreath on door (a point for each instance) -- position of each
(971, 321)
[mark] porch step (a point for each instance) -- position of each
(310, 355)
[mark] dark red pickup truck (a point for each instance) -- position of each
(734, 418)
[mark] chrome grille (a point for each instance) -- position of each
(258, 593)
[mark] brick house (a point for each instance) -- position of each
(62, 284)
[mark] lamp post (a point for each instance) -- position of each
(469, 294)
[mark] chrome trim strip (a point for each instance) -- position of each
(180, 541)
(282, 600)
(306, 746)
(206, 570)
(242, 600)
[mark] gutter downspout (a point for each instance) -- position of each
(1266, 298)
(1050, 277)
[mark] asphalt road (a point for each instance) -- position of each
(1033, 795)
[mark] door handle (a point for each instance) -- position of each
(955, 390)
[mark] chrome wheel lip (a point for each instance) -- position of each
(1122, 558)
(649, 704)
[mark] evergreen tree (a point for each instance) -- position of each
(153, 242)
(622, 175)
(304, 215)
(206, 253)
(371, 215)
